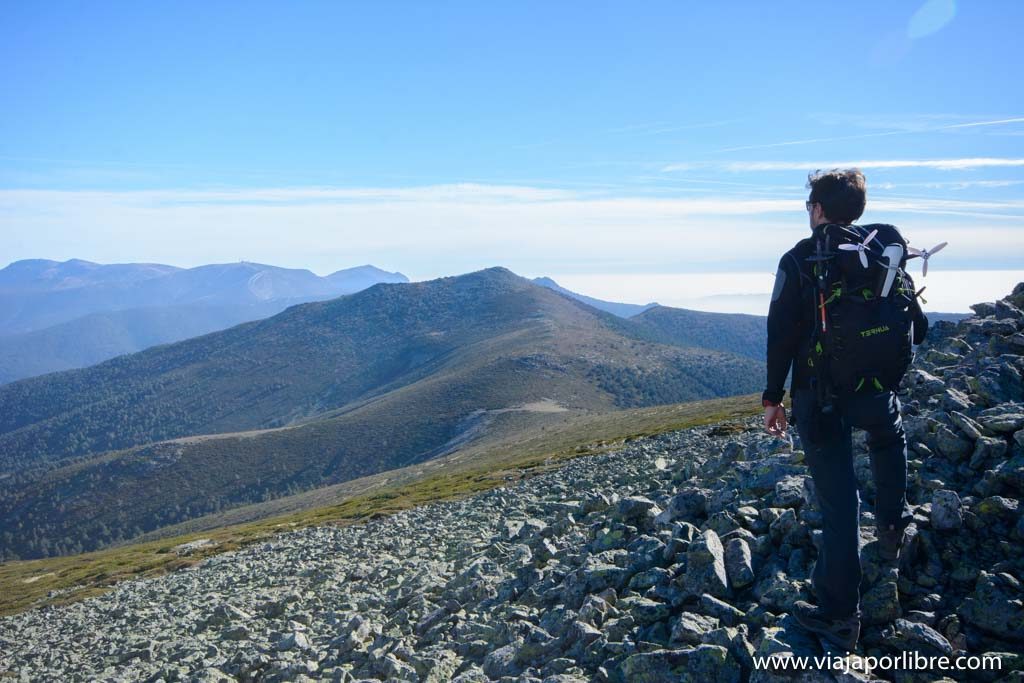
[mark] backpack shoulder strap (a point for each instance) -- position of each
(804, 277)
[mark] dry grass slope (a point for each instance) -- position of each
(32, 583)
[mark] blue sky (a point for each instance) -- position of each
(591, 141)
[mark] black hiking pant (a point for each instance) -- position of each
(828, 449)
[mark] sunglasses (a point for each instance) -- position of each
(809, 204)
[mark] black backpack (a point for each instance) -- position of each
(865, 305)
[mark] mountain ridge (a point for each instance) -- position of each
(370, 381)
(40, 293)
(58, 316)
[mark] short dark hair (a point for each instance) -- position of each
(842, 193)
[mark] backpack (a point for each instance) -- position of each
(865, 305)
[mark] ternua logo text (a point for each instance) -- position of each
(874, 330)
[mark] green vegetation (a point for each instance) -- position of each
(393, 376)
(28, 583)
(744, 335)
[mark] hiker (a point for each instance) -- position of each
(824, 413)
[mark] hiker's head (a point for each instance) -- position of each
(837, 196)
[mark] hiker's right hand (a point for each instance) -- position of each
(775, 420)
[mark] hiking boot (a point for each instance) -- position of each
(841, 632)
(889, 543)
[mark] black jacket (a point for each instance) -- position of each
(790, 320)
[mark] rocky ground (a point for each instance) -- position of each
(675, 558)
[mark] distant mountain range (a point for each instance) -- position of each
(324, 392)
(63, 315)
(173, 304)
(621, 310)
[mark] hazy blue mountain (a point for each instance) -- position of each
(33, 275)
(37, 294)
(613, 307)
(98, 337)
(356, 279)
(59, 316)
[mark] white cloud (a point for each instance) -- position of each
(948, 291)
(437, 230)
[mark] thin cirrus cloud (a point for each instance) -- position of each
(455, 192)
(861, 136)
(20, 204)
(25, 201)
(957, 164)
(952, 184)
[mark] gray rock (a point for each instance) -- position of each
(502, 662)
(952, 445)
(787, 528)
(235, 633)
(954, 399)
(911, 636)
(702, 663)
(721, 610)
(1002, 423)
(722, 523)
(689, 628)
(594, 503)
(705, 566)
(881, 604)
(655, 667)
(510, 529)
(688, 505)
(1007, 311)
(531, 528)
(947, 510)
(984, 308)
(759, 477)
(735, 641)
(997, 506)
(777, 591)
(972, 429)
(635, 510)
(643, 610)
(987, 448)
(789, 492)
(296, 640)
(738, 563)
(924, 382)
(995, 606)
(713, 663)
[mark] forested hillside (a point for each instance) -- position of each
(319, 394)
